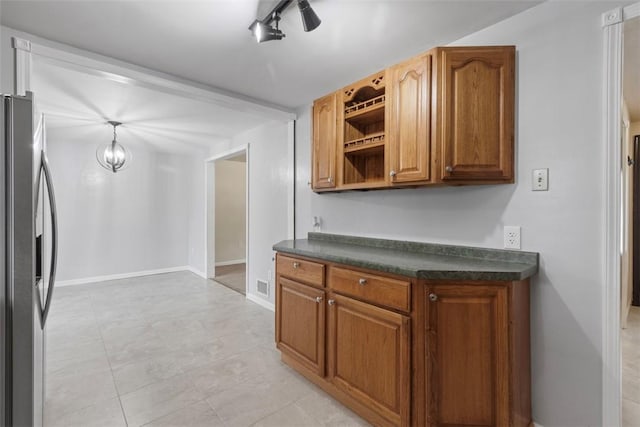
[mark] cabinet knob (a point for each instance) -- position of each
(329, 179)
(331, 302)
(362, 281)
(448, 168)
(318, 300)
(392, 174)
(433, 297)
(296, 264)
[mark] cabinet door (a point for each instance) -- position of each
(368, 356)
(409, 102)
(300, 317)
(324, 142)
(467, 355)
(477, 115)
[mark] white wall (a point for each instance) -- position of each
(196, 191)
(558, 126)
(269, 176)
(230, 214)
(135, 220)
(193, 252)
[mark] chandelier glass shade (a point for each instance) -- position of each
(113, 156)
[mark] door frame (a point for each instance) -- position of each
(612, 23)
(210, 196)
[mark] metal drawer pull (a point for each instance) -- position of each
(433, 297)
(331, 302)
(448, 169)
(296, 264)
(318, 300)
(362, 281)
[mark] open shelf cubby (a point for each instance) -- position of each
(364, 136)
(364, 165)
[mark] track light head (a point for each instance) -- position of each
(310, 20)
(264, 32)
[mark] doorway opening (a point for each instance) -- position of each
(630, 198)
(227, 219)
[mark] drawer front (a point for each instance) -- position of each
(380, 290)
(301, 270)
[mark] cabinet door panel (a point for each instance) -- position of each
(325, 141)
(300, 318)
(409, 120)
(467, 355)
(369, 356)
(477, 113)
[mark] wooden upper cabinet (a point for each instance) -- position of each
(468, 363)
(325, 141)
(362, 126)
(368, 356)
(300, 323)
(443, 117)
(408, 109)
(476, 119)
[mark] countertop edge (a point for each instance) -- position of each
(502, 276)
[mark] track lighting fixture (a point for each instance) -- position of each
(310, 20)
(264, 31)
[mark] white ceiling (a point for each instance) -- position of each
(208, 41)
(631, 69)
(84, 102)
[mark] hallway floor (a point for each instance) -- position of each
(630, 341)
(172, 350)
(233, 276)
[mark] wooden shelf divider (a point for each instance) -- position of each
(365, 107)
(368, 142)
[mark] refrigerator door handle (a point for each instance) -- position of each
(54, 238)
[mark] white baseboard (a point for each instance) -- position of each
(264, 303)
(95, 279)
(231, 262)
(197, 272)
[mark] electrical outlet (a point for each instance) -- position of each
(511, 237)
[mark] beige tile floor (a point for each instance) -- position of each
(172, 350)
(630, 341)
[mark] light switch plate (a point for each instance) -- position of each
(540, 180)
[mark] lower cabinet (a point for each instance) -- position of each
(368, 356)
(403, 352)
(467, 355)
(300, 323)
(477, 354)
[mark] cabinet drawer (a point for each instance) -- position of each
(384, 291)
(302, 270)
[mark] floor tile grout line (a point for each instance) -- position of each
(82, 408)
(113, 378)
(182, 409)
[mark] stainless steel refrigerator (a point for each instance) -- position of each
(28, 253)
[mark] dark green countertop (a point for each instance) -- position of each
(414, 259)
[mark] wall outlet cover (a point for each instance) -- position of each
(512, 237)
